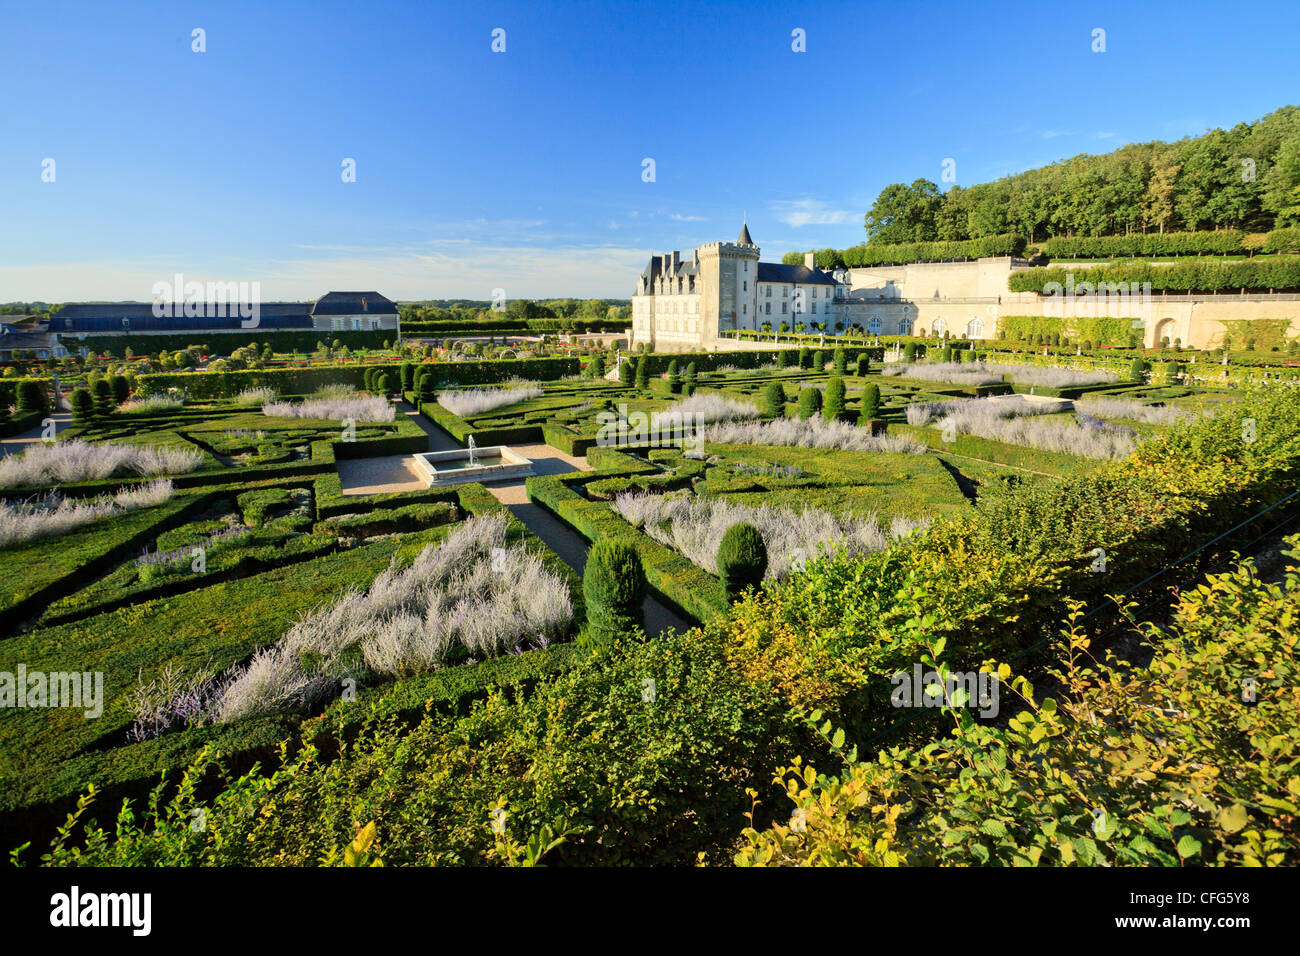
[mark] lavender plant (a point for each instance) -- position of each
(476, 401)
(51, 515)
(693, 526)
(808, 433)
(76, 460)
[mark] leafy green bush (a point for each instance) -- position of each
(642, 373)
(805, 357)
(841, 360)
(613, 585)
(1201, 771)
(742, 559)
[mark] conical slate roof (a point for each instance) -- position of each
(744, 239)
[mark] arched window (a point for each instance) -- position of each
(974, 329)
(873, 325)
(939, 326)
(904, 326)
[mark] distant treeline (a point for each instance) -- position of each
(465, 314)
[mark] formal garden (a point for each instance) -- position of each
(418, 676)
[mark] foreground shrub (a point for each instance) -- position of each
(638, 754)
(476, 401)
(696, 526)
(54, 515)
(75, 460)
(1191, 760)
(613, 587)
(742, 559)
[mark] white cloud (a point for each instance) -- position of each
(808, 212)
(680, 218)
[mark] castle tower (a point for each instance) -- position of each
(729, 275)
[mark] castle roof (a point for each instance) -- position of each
(779, 272)
(745, 239)
(354, 303)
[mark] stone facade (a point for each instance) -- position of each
(692, 304)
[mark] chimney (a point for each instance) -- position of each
(810, 260)
(676, 259)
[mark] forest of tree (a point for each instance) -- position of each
(1245, 178)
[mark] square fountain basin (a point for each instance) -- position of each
(491, 463)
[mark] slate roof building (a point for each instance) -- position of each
(687, 304)
(334, 311)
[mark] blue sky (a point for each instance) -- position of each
(523, 170)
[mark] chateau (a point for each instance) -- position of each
(695, 303)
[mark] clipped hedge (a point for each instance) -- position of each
(215, 342)
(894, 254)
(303, 381)
(1222, 243)
(1279, 274)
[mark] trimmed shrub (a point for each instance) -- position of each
(909, 352)
(408, 376)
(625, 372)
(642, 373)
(121, 388)
(32, 398)
(870, 403)
(774, 400)
(742, 560)
(785, 358)
(805, 358)
(691, 373)
(810, 402)
(819, 361)
(841, 360)
(103, 398)
(1137, 371)
(613, 586)
(83, 406)
(834, 407)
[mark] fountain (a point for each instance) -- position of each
(472, 463)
